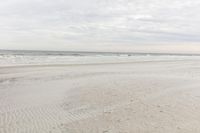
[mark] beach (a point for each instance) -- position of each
(100, 66)
(136, 95)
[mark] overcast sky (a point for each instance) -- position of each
(101, 25)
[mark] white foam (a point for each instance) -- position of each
(14, 60)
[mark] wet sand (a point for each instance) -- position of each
(131, 97)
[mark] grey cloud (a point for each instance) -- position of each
(80, 22)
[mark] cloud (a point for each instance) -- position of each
(77, 24)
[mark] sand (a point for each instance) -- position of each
(132, 97)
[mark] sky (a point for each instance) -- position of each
(101, 25)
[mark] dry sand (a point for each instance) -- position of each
(137, 97)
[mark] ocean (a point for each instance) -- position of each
(32, 57)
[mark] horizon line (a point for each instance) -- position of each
(106, 52)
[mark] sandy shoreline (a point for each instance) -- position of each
(141, 97)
